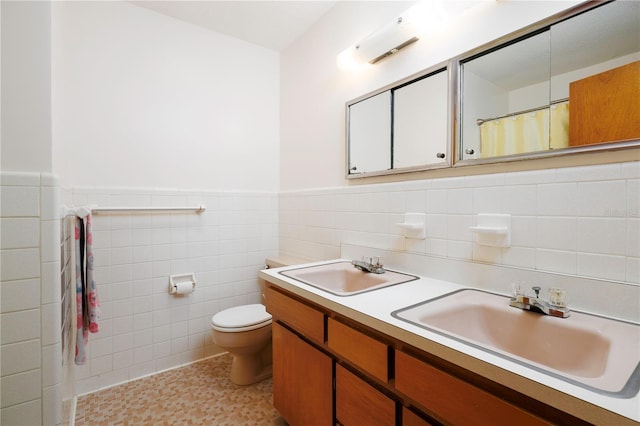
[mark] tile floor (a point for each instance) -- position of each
(197, 394)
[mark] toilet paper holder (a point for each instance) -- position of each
(178, 284)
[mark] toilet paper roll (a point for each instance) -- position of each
(184, 287)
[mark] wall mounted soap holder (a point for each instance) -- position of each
(414, 226)
(493, 230)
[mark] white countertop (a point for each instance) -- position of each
(374, 309)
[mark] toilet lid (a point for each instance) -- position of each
(241, 316)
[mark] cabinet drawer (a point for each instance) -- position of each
(302, 318)
(454, 400)
(358, 403)
(363, 351)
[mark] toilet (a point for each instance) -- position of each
(245, 332)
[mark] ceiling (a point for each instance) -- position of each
(271, 24)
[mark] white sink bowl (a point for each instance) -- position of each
(343, 279)
(594, 352)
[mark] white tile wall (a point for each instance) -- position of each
(577, 220)
(30, 309)
(143, 329)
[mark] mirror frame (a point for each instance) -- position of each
(509, 39)
(448, 67)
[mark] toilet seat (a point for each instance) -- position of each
(241, 318)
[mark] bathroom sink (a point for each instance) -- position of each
(343, 279)
(594, 352)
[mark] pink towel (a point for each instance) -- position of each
(88, 309)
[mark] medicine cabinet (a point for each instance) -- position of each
(565, 85)
(401, 128)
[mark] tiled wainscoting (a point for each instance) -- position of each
(30, 309)
(144, 329)
(582, 221)
(68, 309)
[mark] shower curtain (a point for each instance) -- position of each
(515, 134)
(559, 137)
(88, 311)
(533, 131)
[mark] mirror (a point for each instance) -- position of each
(420, 122)
(506, 99)
(369, 125)
(400, 129)
(570, 84)
(595, 64)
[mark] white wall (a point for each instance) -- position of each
(143, 100)
(26, 87)
(314, 91)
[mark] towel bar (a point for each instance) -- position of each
(97, 210)
(83, 211)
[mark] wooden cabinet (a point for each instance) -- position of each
(605, 107)
(302, 380)
(453, 400)
(358, 403)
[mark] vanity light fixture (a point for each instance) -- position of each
(424, 18)
(387, 41)
(401, 32)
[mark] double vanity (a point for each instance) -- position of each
(392, 348)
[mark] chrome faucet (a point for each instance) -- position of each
(371, 264)
(556, 306)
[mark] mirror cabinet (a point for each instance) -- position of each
(568, 84)
(503, 91)
(402, 128)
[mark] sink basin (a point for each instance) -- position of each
(594, 352)
(343, 279)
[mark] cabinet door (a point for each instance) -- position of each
(358, 403)
(605, 107)
(302, 380)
